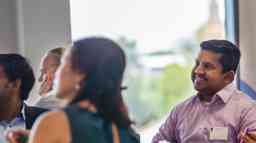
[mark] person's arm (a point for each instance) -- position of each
(52, 127)
(46, 84)
(167, 130)
(248, 138)
(248, 126)
(17, 136)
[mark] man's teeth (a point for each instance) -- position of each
(198, 79)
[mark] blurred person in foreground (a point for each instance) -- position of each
(89, 78)
(219, 112)
(16, 81)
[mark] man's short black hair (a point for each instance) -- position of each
(230, 53)
(16, 67)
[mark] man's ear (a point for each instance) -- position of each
(229, 77)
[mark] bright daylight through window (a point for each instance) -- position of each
(161, 40)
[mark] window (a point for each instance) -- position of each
(161, 40)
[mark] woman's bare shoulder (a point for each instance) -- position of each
(51, 126)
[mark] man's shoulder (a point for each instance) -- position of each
(242, 99)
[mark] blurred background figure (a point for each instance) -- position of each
(49, 64)
(48, 67)
(47, 100)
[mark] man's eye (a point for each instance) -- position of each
(207, 66)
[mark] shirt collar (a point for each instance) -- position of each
(226, 92)
(4, 124)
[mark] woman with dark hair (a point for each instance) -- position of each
(89, 79)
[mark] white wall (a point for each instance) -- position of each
(46, 24)
(8, 30)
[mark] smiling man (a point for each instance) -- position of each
(219, 112)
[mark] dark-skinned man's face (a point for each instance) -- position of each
(5, 90)
(207, 74)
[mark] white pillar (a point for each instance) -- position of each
(8, 26)
(247, 41)
(43, 24)
(30, 27)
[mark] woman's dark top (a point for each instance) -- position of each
(88, 127)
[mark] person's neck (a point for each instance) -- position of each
(206, 96)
